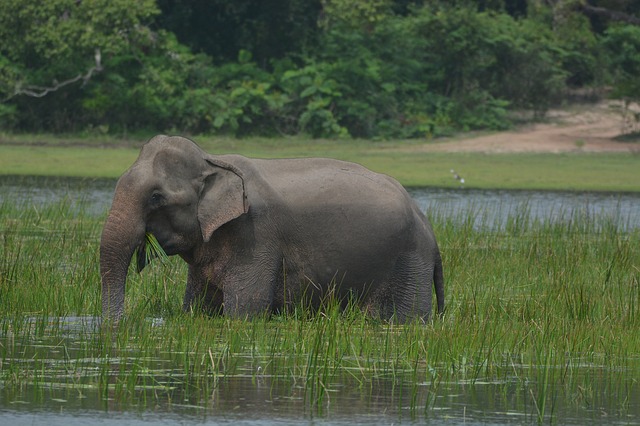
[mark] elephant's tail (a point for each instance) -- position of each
(438, 279)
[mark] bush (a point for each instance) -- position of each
(622, 44)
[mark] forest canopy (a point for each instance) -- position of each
(324, 68)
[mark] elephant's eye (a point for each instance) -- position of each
(157, 200)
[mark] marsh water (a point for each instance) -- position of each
(56, 350)
(487, 206)
(250, 397)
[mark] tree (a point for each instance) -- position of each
(268, 29)
(623, 48)
(621, 11)
(58, 46)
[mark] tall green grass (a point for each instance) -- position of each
(546, 311)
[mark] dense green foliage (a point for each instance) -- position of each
(326, 68)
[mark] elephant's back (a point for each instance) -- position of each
(326, 180)
(323, 187)
(327, 196)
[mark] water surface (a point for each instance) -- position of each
(489, 206)
(68, 391)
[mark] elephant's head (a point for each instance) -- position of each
(176, 192)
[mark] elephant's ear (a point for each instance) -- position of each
(223, 197)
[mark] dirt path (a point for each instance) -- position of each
(586, 129)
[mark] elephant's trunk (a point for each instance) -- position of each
(121, 235)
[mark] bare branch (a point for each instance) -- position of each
(611, 14)
(39, 91)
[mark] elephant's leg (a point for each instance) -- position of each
(409, 290)
(199, 290)
(245, 303)
(248, 292)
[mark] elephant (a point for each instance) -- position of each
(262, 235)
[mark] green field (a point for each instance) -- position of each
(403, 160)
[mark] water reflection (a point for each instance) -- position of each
(93, 195)
(73, 385)
(620, 209)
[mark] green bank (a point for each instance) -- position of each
(407, 162)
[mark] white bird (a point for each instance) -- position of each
(457, 177)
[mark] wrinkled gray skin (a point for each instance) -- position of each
(259, 235)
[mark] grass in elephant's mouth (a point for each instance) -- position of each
(551, 309)
(153, 249)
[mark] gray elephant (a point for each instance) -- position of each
(260, 235)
